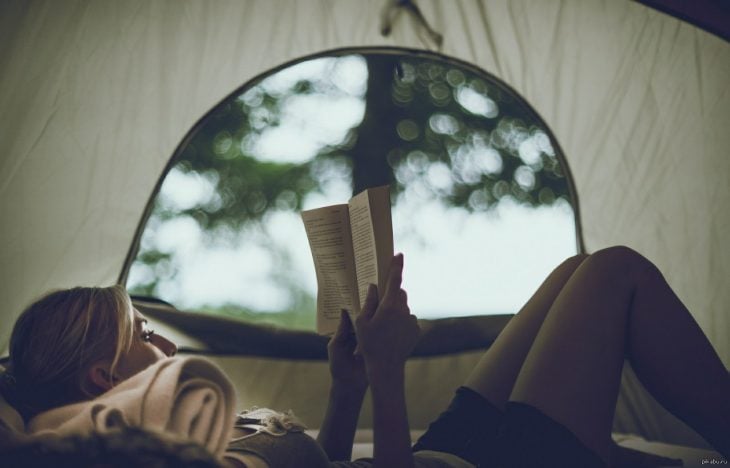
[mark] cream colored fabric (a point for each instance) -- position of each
(96, 94)
(189, 398)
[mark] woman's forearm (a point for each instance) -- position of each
(392, 438)
(340, 421)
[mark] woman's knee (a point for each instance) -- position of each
(623, 263)
(572, 263)
(577, 258)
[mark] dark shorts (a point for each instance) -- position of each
(521, 436)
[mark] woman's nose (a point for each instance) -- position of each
(165, 345)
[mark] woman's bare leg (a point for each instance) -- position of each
(616, 304)
(495, 374)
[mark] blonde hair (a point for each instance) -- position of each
(56, 340)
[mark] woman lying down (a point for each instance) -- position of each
(544, 393)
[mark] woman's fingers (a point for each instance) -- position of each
(396, 302)
(340, 337)
(395, 275)
(370, 305)
(403, 298)
(386, 331)
(395, 297)
(344, 328)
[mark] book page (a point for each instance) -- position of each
(380, 213)
(372, 238)
(328, 231)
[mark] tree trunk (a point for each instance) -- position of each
(377, 133)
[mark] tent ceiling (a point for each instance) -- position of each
(96, 95)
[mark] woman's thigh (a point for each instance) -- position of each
(495, 374)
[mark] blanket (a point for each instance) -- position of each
(185, 397)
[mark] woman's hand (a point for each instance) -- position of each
(386, 331)
(347, 368)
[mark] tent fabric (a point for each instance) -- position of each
(96, 95)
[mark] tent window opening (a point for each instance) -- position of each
(483, 202)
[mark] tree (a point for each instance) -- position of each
(465, 138)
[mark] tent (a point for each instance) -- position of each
(96, 96)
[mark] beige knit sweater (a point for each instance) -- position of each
(189, 398)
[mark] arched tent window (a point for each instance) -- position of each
(483, 202)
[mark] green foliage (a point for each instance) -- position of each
(462, 139)
(425, 122)
(294, 318)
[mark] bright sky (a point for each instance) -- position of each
(455, 263)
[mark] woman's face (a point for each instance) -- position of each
(147, 348)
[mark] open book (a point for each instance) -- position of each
(352, 246)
